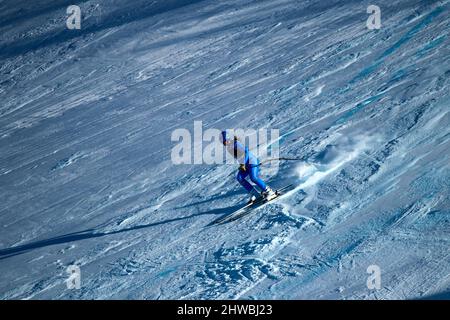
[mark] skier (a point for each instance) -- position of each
(248, 166)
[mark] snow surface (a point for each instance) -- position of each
(85, 172)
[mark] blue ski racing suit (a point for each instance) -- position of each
(249, 163)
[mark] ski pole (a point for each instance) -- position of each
(279, 159)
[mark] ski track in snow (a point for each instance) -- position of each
(85, 170)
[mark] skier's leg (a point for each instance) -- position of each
(267, 191)
(254, 176)
(241, 175)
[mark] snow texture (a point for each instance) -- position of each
(86, 177)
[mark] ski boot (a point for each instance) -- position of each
(269, 194)
(251, 200)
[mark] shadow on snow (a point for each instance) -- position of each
(92, 233)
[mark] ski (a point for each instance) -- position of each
(249, 207)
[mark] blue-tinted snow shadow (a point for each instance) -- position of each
(93, 233)
(39, 8)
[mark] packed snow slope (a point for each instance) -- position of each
(86, 177)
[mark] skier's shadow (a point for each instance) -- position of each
(93, 233)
